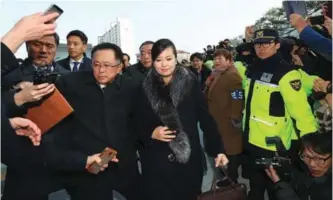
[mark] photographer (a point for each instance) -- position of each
(314, 40)
(41, 54)
(26, 176)
(313, 178)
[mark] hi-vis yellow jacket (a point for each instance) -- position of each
(274, 96)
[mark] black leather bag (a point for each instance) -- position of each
(235, 191)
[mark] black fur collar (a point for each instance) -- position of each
(164, 101)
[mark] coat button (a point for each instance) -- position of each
(171, 157)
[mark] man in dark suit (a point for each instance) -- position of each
(199, 69)
(76, 45)
(140, 69)
(30, 180)
(41, 54)
(103, 101)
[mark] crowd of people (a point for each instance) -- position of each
(266, 89)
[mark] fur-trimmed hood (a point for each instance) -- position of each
(165, 99)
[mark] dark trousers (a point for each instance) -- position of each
(234, 163)
(92, 187)
(259, 181)
(18, 197)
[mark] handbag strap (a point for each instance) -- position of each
(227, 177)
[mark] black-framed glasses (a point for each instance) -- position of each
(106, 65)
(317, 160)
(265, 45)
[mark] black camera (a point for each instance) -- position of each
(277, 160)
(45, 75)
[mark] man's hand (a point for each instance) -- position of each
(96, 158)
(32, 93)
(319, 85)
(23, 85)
(249, 31)
(328, 25)
(296, 60)
(221, 160)
(25, 127)
(271, 173)
(30, 27)
(298, 22)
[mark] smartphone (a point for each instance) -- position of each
(51, 9)
(106, 156)
(317, 20)
(291, 7)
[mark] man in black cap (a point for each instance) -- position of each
(274, 97)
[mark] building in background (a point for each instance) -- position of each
(183, 55)
(63, 53)
(121, 34)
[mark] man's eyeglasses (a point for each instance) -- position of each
(319, 161)
(106, 65)
(265, 45)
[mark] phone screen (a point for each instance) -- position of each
(317, 20)
(51, 9)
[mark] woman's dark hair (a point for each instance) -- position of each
(160, 46)
(321, 143)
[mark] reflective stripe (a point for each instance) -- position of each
(262, 121)
(268, 84)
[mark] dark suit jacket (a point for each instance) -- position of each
(8, 60)
(85, 65)
(204, 74)
(20, 176)
(137, 71)
(101, 118)
(26, 73)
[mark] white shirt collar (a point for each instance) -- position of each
(72, 60)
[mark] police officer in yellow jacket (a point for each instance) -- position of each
(274, 97)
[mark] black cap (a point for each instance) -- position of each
(265, 35)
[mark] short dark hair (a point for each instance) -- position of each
(79, 34)
(160, 46)
(125, 54)
(146, 43)
(320, 143)
(223, 52)
(196, 55)
(108, 46)
(55, 36)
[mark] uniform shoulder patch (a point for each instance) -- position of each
(296, 84)
(237, 95)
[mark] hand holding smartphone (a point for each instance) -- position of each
(106, 156)
(53, 8)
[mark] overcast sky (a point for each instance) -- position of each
(190, 24)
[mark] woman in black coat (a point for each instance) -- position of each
(169, 108)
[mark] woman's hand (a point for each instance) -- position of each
(163, 134)
(221, 160)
